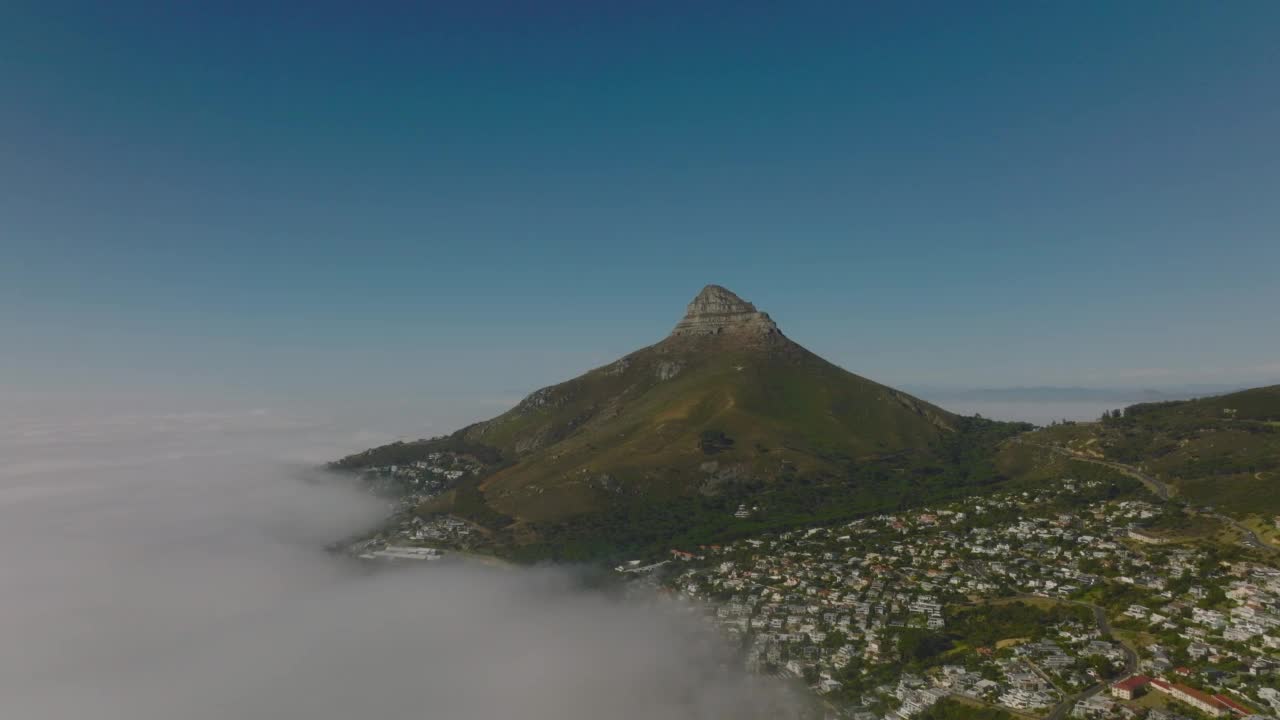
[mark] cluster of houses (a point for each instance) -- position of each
(415, 537)
(1026, 689)
(828, 604)
(439, 529)
(439, 472)
(1243, 629)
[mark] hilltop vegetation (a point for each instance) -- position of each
(1221, 451)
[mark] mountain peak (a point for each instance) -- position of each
(717, 310)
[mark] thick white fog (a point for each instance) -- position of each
(169, 566)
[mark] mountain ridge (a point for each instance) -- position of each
(725, 406)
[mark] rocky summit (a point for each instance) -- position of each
(724, 411)
(717, 310)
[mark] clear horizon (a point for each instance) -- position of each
(422, 214)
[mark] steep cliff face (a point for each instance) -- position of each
(717, 311)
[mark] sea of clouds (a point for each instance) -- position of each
(166, 566)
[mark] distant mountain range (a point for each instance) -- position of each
(724, 426)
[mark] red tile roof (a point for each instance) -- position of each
(1202, 697)
(1132, 683)
(1232, 705)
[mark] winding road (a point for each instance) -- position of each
(1155, 485)
(1060, 710)
(1249, 538)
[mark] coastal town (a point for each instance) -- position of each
(1077, 598)
(1064, 600)
(408, 536)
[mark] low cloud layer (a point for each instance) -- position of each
(165, 567)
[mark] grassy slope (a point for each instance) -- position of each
(618, 431)
(1222, 451)
(616, 459)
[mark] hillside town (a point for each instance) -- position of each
(1070, 599)
(1065, 599)
(408, 537)
(420, 479)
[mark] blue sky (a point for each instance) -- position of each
(447, 206)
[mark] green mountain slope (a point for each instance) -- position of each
(1222, 451)
(726, 410)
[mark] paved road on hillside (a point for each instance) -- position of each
(1155, 485)
(1161, 489)
(1250, 537)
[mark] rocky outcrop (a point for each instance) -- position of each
(548, 397)
(667, 369)
(619, 367)
(717, 311)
